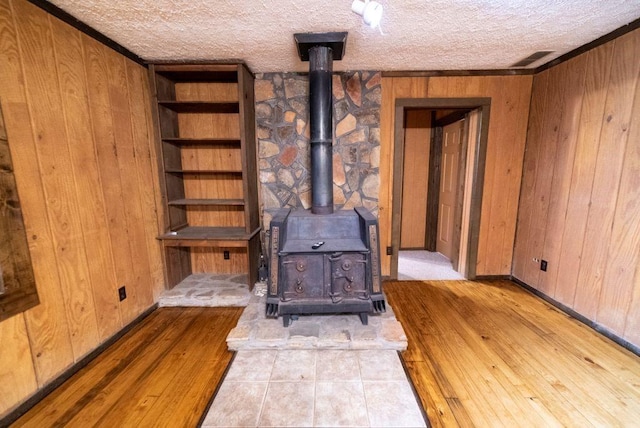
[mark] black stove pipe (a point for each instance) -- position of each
(320, 111)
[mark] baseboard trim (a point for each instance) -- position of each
(492, 277)
(39, 395)
(584, 320)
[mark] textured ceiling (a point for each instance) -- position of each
(418, 34)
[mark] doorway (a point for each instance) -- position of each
(439, 156)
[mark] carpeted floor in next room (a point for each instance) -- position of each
(425, 265)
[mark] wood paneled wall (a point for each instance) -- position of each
(78, 119)
(510, 97)
(417, 144)
(580, 203)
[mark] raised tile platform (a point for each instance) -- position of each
(315, 388)
(208, 290)
(255, 331)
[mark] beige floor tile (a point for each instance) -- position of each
(337, 366)
(340, 404)
(237, 404)
(380, 365)
(251, 366)
(288, 404)
(294, 365)
(392, 404)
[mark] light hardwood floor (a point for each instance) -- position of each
(480, 354)
(162, 373)
(491, 354)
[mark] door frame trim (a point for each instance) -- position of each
(477, 182)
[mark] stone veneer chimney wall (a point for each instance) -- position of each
(282, 116)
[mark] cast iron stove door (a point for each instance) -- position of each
(302, 276)
(348, 276)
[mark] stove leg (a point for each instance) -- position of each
(286, 320)
(364, 317)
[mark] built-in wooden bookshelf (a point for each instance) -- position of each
(206, 138)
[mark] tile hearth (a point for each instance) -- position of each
(322, 370)
(339, 331)
(319, 388)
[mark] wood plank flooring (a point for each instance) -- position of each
(483, 354)
(491, 354)
(162, 373)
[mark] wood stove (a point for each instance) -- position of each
(321, 261)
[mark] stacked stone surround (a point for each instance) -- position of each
(282, 116)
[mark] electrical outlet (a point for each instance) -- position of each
(389, 251)
(226, 255)
(543, 265)
(122, 293)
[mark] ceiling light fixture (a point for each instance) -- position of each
(371, 11)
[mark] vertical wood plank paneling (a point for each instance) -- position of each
(613, 137)
(632, 327)
(521, 258)
(46, 323)
(592, 245)
(416, 176)
(43, 94)
(507, 133)
(505, 149)
(572, 78)
(508, 130)
(17, 374)
(147, 176)
(629, 207)
(624, 248)
(55, 92)
(596, 79)
(140, 296)
(624, 253)
(513, 175)
(385, 203)
(103, 135)
(68, 49)
(552, 115)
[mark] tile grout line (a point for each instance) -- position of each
(364, 392)
(315, 388)
(266, 390)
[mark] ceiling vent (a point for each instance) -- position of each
(531, 58)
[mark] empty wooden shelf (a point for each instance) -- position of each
(206, 138)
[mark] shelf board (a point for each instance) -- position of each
(200, 106)
(207, 202)
(203, 172)
(220, 72)
(203, 141)
(201, 76)
(203, 233)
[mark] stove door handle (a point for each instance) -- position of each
(317, 245)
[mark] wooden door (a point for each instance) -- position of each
(451, 146)
(472, 141)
